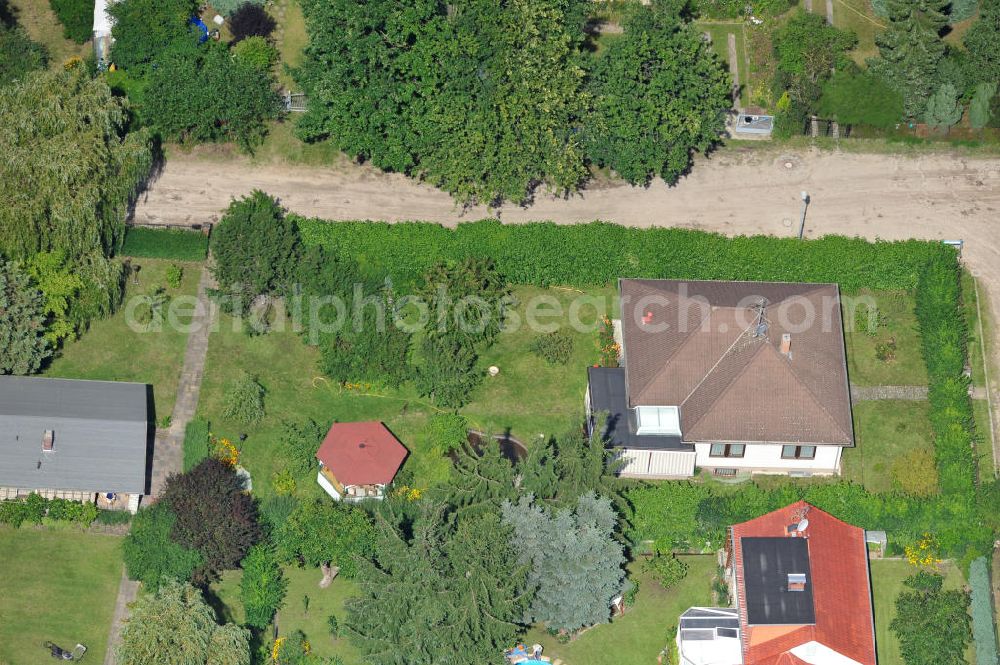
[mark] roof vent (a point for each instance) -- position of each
(48, 440)
(796, 581)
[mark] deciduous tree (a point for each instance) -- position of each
(321, 532)
(255, 247)
(660, 95)
(144, 29)
(201, 93)
(175, 626)
(151, 556)
(68, 166)
(933, 625)
(214, 515)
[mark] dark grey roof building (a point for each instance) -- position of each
(72, 436)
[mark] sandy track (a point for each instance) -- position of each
(875, 196)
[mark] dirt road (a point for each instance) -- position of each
(876, 196)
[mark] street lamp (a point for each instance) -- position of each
(805, 204)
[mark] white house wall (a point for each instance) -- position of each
(766, 458)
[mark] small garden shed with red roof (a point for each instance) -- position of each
(358, 460)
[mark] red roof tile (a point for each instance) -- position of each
(361, 453)
(838, 560)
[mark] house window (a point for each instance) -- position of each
(798, 452)
(658, 420)
(727, 450)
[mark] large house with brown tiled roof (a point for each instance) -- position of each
(802, 595)
(727, 376)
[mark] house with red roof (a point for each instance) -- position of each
(358, 460)
(802, 596)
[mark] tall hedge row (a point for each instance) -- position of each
(943, 342)
(543, 253)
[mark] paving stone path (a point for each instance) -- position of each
(168, 446)
(872, 393)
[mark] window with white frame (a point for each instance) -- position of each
(658, 420)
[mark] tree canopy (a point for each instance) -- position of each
(214, 515)
(151, 556)
(320, 532)
(440, 594)
(660, 94)
(255, 247)
(68, 165)
(175, 626)
(982, 41)
(490, 100)
(577, 566)
(23, 345)
(932, 624)
(911, 49)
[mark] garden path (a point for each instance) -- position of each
(168, 446)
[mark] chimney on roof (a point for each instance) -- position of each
(48, 439)
(796, 581)
(647, 318)
(786, 345)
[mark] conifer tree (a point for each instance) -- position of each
(577, 566)
(911, 49)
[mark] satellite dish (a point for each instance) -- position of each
(803, 524)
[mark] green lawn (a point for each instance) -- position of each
(292, 40)
(884, 430)
(887, 584)
(528, 397)
(972, 306)
(896, 322)
(59, 586)
(293, 615)
(720, 44)
(857, 16)
(984, 446)
(644, 630)
(112, 351)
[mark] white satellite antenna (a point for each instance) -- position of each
(802, 525)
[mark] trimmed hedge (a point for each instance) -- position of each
(176, 244)
(35, 508)
(599, 253)
(983, 632)
(943, 342)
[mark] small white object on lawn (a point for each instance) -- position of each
(493, 370)
(218, 20)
